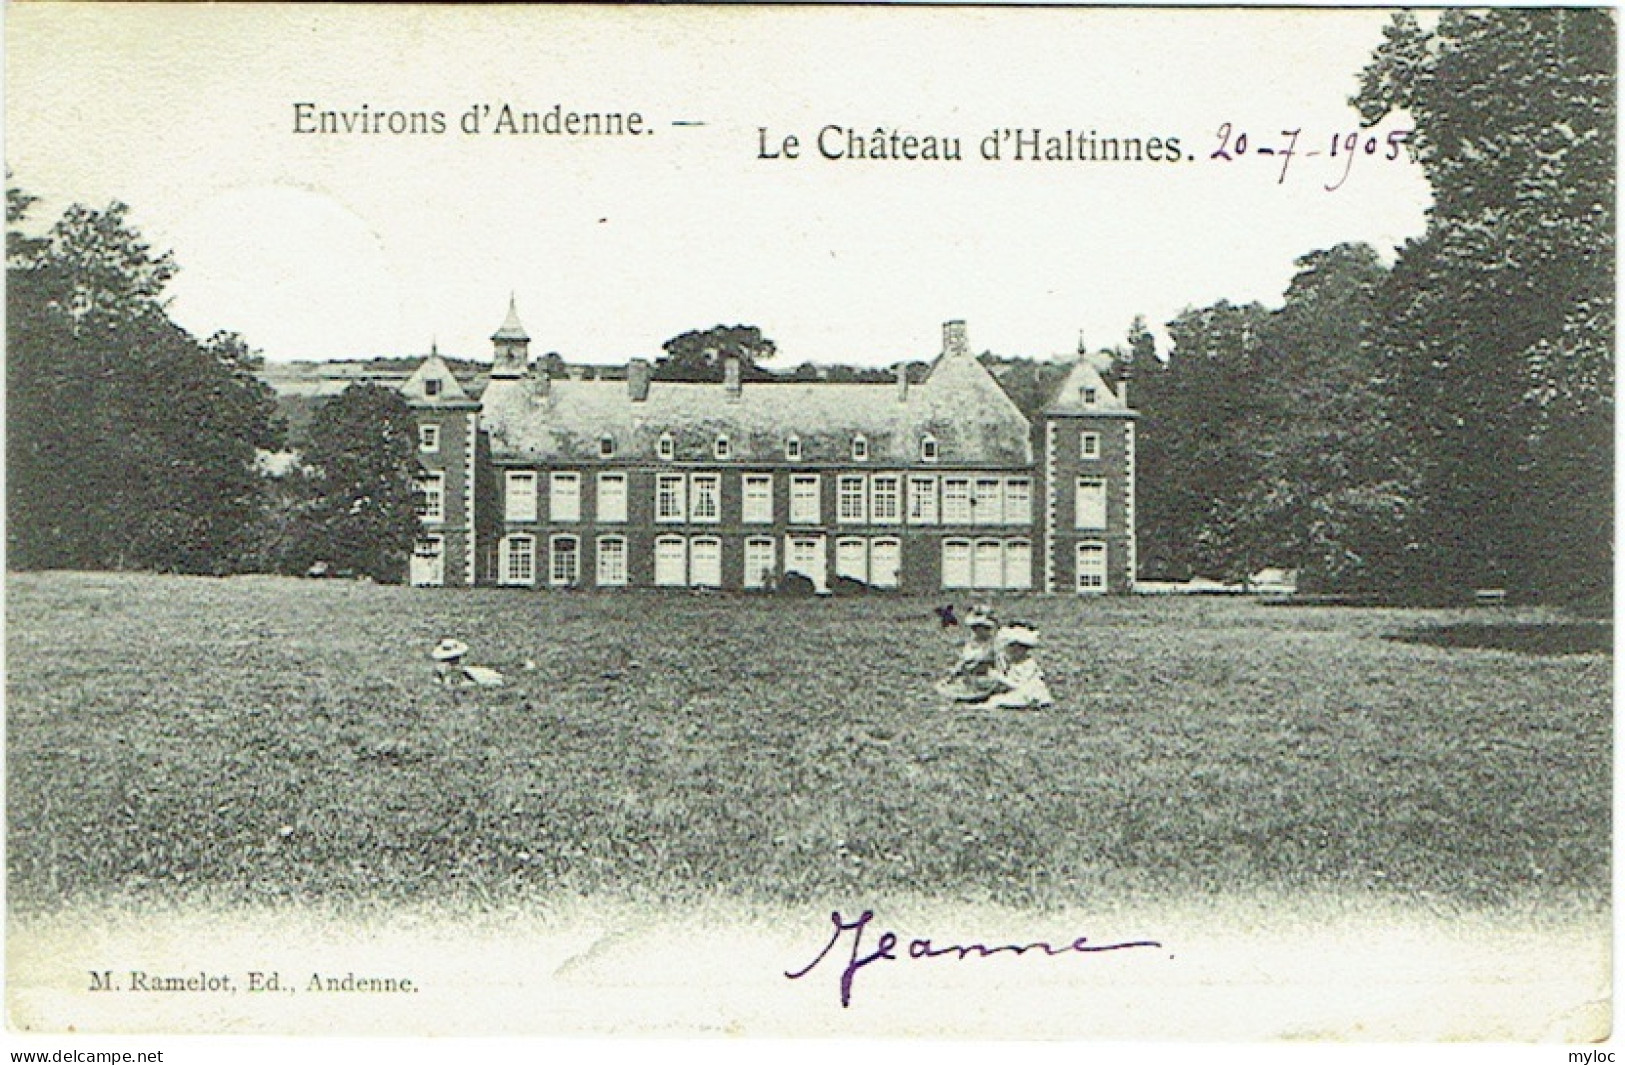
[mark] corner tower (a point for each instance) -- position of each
(1088, 487)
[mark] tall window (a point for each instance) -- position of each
(612, 498)
(521, 495)
(671, 562)
(792, 448)
(669, 501)
(611, 561)
(885, 560)
(988, 508)
(1089, 444)
(885, 499)
(849, 500)
(1091, 503)
(804, 499)
(564, 501)
(516, 560)
(1090, 396)
(1091, 568)
(429, 438)
(705, 562)
(564, 567)
(1018, 501)
(852, 558)
(757, 506)
(666, 448)
(860, 448)
(956, 571)
(759, 562)
(922, 500)
(1018, 565)
(433, 487)
(987, 565)
(928, 448)
(956, 509)
(705, 502)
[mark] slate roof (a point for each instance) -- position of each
(1069, 397)
(960, 404)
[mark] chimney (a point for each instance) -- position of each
(730, 377)
(902, 382)
(954, 340)
(638, 372)
(1125, 374)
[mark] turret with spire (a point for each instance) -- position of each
(511, 345)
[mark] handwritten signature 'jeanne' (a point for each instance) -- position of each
(886, 949)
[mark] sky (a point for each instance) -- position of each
(347, 245)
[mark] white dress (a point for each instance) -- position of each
(1027, 688)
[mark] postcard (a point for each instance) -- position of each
(957, 523)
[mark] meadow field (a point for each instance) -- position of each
(265, 741)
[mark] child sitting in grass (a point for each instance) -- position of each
(1019, 683)
(978, 660)
(450, 670)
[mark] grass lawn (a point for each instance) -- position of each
(268, 740)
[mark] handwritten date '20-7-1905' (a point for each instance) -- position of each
(1344, 147)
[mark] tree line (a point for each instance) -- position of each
(1439, 424)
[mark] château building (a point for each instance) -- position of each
(913, 486)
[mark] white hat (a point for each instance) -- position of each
(448, 649)
(979, 616)
(1020, 634)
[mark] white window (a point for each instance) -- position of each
(666, 448)
(988, 565)
(1018, 501)
(860, 448)
(521, 495)
(433, 487)
(612, 498)
(669, 498)
(705, 498)
(886, 499)
(1091, 503)
(1089, 397)
(852, 559)
(804, 508)
(885, 561)
(987, 507)
(956, 564)
(724, 448)
(956, 509)
(606, 447)
(1018, 565)
(516, 560)
(792, 448)
(922, 500)
(564, 561)
(611, 561)
(759, 562)
(429, 438)
(431, 386)
(928, 448)
(849, 500)
(1089, 444)
(705, 562)
(564, 501)
(671, 562)
(428, 565)
(1091, 568)
(757, 505)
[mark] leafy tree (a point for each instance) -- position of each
(131, 444)
(1496, 328)
(363, 475)
(701, 355)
